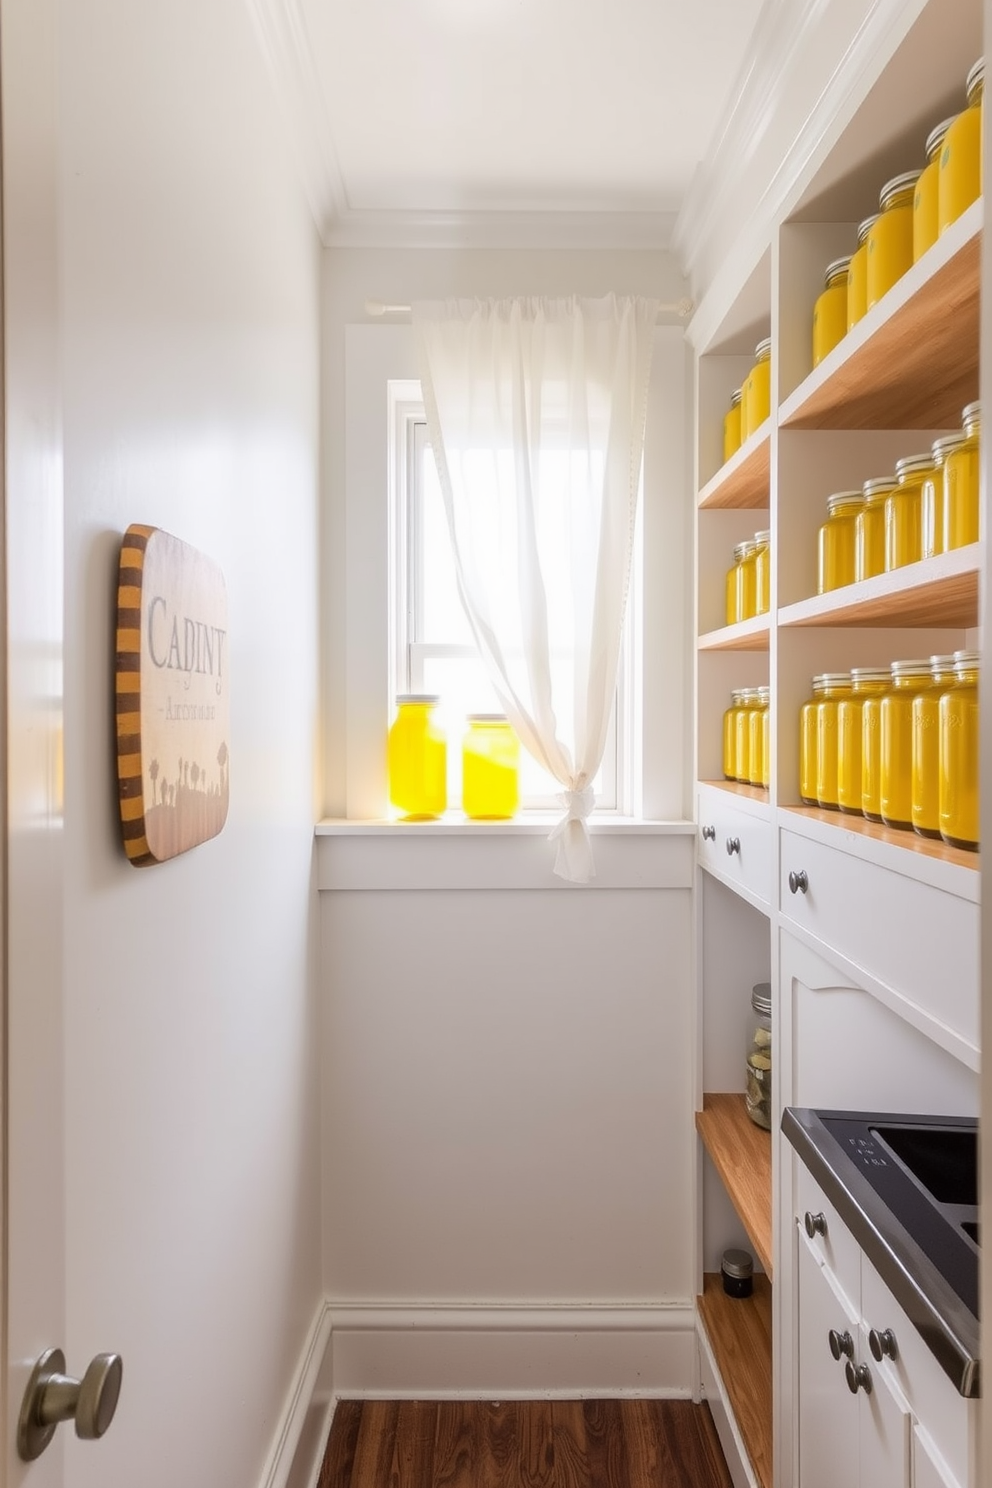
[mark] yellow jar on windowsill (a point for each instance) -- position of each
(909, 678)
(961, 483)
(857, 276)
(830, 310)
(959, 755)
(490, 768)
(926, 747)
(836, 541)
(417, 759)
(960, 180)
(865, 682)
(836, 685)
(869, 530)
(808, 742)
(890, 237)
(925, 222)
(904, 512)
(732, 426)
(756, 400)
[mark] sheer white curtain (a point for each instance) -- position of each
(536, 411)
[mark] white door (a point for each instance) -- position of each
(31, 660)
(828, 1412)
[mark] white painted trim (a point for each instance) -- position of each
(493, 228)
(513, 1352)
(715, 1395)
(309, 1378)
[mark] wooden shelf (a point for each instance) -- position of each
(742, 792)
(747, 635)
(896, 837)
(940, 591)
(744, 482)
(739, 1332)
(742, 1155)
(912, 362)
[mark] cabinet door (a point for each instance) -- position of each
(884, 1429)
(828, 1412)
(929, 1468)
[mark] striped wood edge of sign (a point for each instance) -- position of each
(128, 695)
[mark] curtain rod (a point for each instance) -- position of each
(682, 308)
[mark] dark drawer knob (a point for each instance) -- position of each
(709, 834)
(816, 1224)
(882, 1344)
(798, 882)
(733, 846)
(858, 1377)
(841, 1344)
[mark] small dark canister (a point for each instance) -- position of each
(737, 1270)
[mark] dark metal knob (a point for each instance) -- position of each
(53, 1396)
(816, 1224)
(709, 834)
(798, 882)
(841, 1344)
(858, 1377)
(733, 846)
(882, 1344)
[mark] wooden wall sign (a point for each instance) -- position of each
(173, 759)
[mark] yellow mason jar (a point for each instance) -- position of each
(932, 497)
(959, 754)
(836, 541)
(871, 750)
(857, 276)
(890, 237)
(417, 759)
(836, 685)
(925, 229)
(762, 572)
(960, 180)
(756, 401)
(766, 740)
(865, 682)
(742, 734)
(904, 512)
(830, 310)
(733, 585)
(756, 736)
(747, 579)
(961, 484)
(730, 771)
(808, 742)
(490, 768)
(732, 425)
(926, 747)
(909, 678)
(869, 528)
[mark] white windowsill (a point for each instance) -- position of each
(532, 824)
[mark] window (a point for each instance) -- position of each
(433, 650)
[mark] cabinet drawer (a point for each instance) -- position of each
(914, 938)
(736, 845)
(831, 1241)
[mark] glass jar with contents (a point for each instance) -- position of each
(925, 228)
(417, 757)
(756, 736)
(730, 771)
(857, 276)
(830, 310)
(742, 734)
(758, 1069)
(932, 497)
(960, 180)
(836, 541)
(745, 556)
(808, 742)
(909, 678)
(766, 738)
(732, 426)
(959, 755)
(869, 529)
(961, 483)
(836, 685)
(490, 768)
(733, 615)
(756, 402)
(865, 682)
(890, 237)
(926, 747)
(762, 572)
(904, 512)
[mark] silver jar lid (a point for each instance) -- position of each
(899, 184)
(835, 270)
(879, 485)
(919, 666)
(975, 76)
(913, 465)
(942, 447)
(870, 674)
(936, 136)
(736, 396)
(972, 412)
(431, 700)
(763, 537)
(865, 227)
(943, 663)
(967, 661)
(763, 350)
(843, 498)
(761, 998)
(835, 679)
(737, 1264)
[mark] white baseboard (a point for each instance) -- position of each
(295, 1456)
(494, 1353)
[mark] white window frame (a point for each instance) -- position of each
(408, 653)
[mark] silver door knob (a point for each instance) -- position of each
(816, 1224)
(733, 846)
(882, 1344)
(841, 1344)
(709, 834)
(798, 882)
(53, 1396)
(858, 1377)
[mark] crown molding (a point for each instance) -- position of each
(501, 229)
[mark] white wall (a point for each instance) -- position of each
(190, 282)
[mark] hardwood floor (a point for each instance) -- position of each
(523, 1444)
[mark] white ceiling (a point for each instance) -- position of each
(420, 107)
